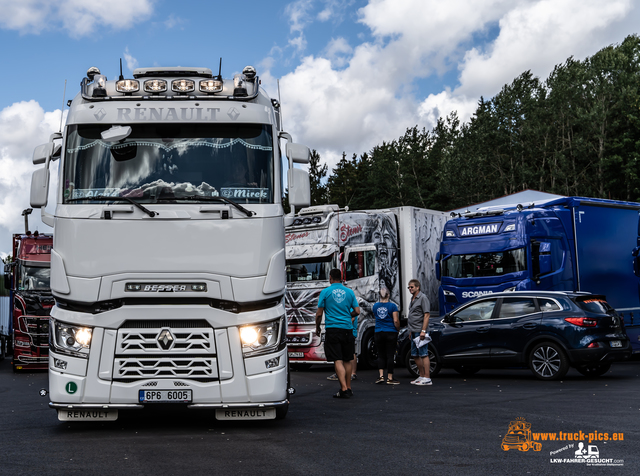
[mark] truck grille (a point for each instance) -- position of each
(165, 350)
(135, 368)
(185, 341)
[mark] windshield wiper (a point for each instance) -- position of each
(115, 199)
(203, 198)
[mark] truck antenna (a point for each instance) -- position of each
(121, 77)
(64, 93)
(280, 102)
(220, 70)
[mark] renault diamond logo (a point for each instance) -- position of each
(165, 339)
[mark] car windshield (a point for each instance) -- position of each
(484, 264)
(313, 269)
(167, 162)
(33, 278)
(595, 305)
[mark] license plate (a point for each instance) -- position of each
(87, 415)
(164, 396)
(246, 414)
(296, 355)
(615, 343)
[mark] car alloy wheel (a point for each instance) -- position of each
(412, 367)
(548, 361)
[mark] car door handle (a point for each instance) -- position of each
(483, 329)
(530, 325)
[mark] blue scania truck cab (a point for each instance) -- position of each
(566, 244)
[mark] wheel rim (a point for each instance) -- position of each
(432, 362)
(546, 361)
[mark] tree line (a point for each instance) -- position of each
(575, 133)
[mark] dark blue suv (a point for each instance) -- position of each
(545, 331)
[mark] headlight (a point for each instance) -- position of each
(262, 338)
(71, 340)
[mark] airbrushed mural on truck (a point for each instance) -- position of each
(366, 246)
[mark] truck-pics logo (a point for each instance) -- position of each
(347, 231)
(519, 437)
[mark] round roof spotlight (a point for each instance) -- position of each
(249, 72)
(91, 72)
(306, 221)
(297, 221)
(316, 220)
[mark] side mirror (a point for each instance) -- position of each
(299, 188)
(298, 153)
(636, 266)
(447, 318)
(42, 153)
(7, 282)
(40, 187)
(438, 274)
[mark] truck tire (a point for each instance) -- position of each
(548, 361)
(593, 370)
(281, 411)
(368, 357)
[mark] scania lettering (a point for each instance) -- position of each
(24, 327)
(168, 256)
(373, 248)
(567, 244)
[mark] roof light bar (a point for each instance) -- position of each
(127, 86)
(183, 86)
(155, 86)
(211, 86)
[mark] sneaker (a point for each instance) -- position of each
(349, 392)
(392, 381)
(354, 377)
(380, 380)
(342, 394)
(424, 381)
(332, 377)
(415, 382)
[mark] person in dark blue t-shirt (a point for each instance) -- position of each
(340, 307)
(386, 336)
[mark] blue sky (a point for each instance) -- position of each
(352, 72)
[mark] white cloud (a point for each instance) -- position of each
(338, 51)
(23, 126)
(132, 63)
(352, 98)
(78, 17)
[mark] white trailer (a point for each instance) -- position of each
(373, 248)
(168, 257)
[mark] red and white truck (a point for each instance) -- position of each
(24, 328)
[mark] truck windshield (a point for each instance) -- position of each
(167, 162)
(313, 269)
(484, 264)
(32, 278)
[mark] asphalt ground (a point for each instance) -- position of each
(455, 427)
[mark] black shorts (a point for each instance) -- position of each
(339, 344)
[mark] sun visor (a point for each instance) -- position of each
(311, 251)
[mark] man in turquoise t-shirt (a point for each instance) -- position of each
(340, 308)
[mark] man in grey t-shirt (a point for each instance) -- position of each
(418, 322)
